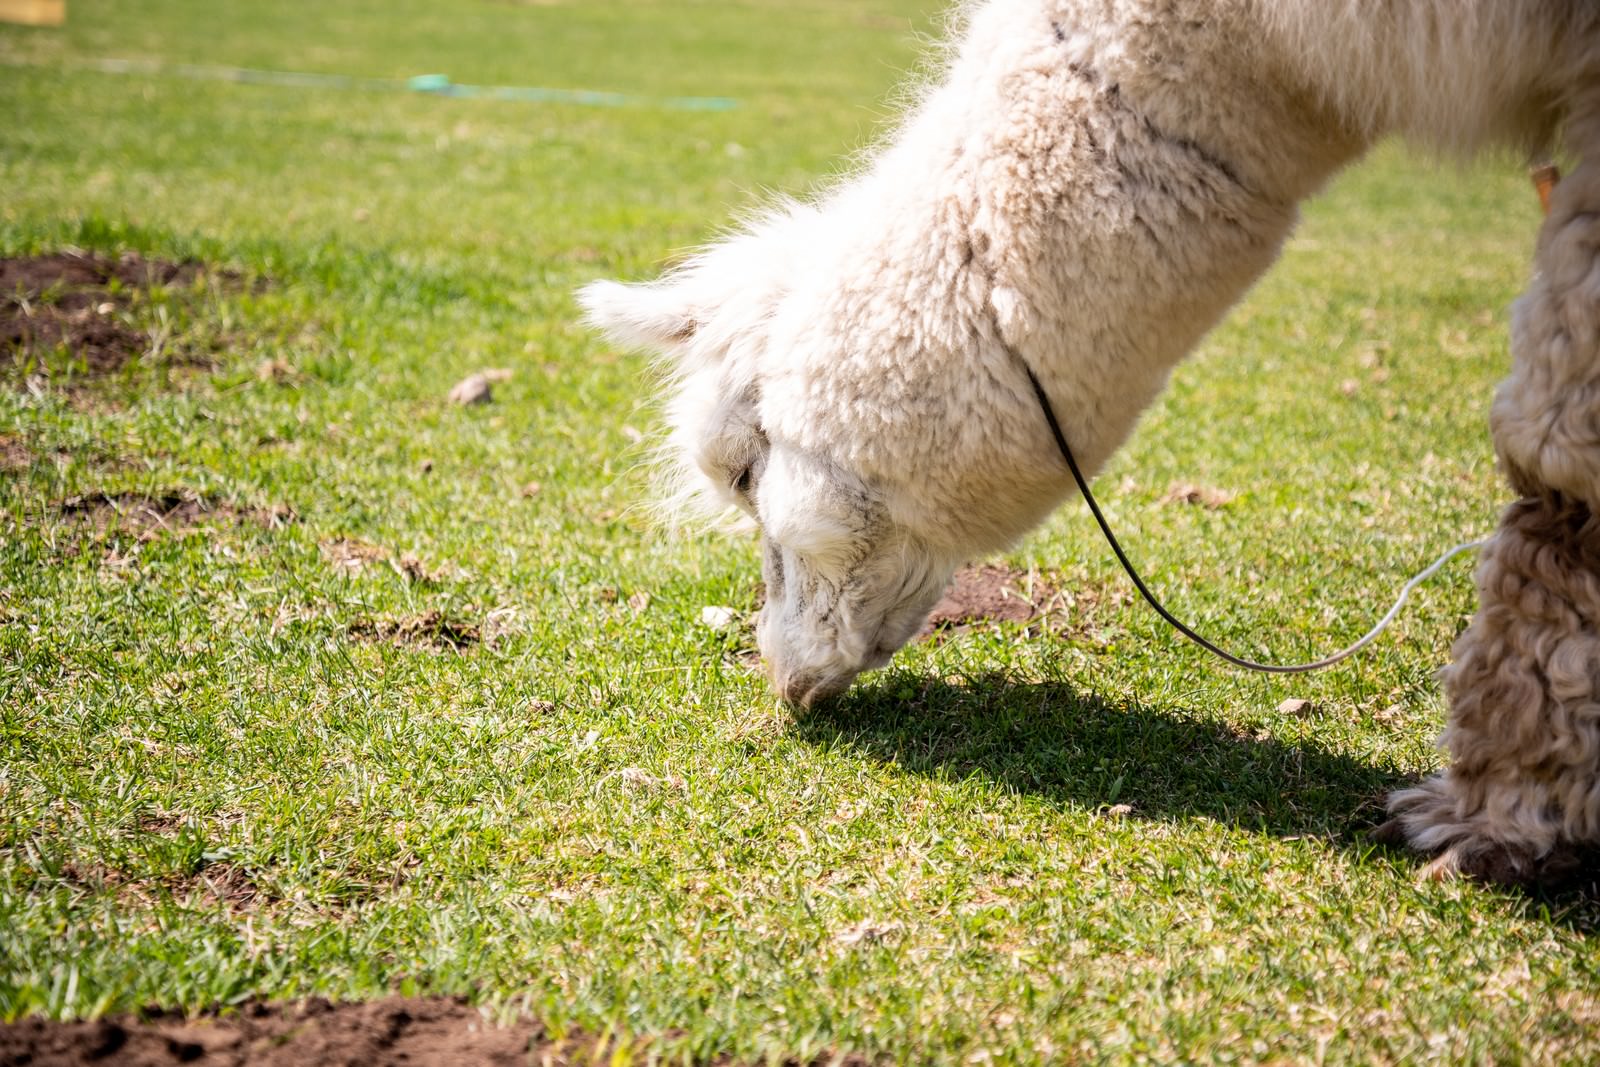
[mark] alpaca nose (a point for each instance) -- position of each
(797, 681)
(808, 688)
(796, 687)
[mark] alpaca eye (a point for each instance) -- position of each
(741, 484)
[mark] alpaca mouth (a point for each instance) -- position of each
(814, 689)
(809, 690)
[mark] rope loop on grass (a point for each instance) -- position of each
(1177, 624)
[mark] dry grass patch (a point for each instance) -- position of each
(214, 885)
(86, 305)
(351, 555)
(14, 455)
(430, 630)
(175, 511)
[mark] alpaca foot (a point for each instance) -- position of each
(1424, 820)
(1566, 866)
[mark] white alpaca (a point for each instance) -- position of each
(1089, 189)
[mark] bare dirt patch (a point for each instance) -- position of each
(425, 1032)
(84, 270)
(352, 555)
(81, 302)
(14, 455)
(217, 884)
(395, 1031)
(173, 511)
(990, 592)
(226, 884)
(430, 630)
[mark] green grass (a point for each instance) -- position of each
(601, 816)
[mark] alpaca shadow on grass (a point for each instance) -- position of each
(1050, 740)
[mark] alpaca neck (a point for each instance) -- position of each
(1091, 195)
(1096, 199)
(1169, 186)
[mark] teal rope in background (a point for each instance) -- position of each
(432, 84)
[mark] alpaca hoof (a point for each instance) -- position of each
(1567, 866)
(1570, 866)
(1391, 832)
(1496, 864)
(1419, 814)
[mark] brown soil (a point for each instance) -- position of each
(431, 629)
(990, 592)
(79, 301)
(219, 883)
(14, 455)
(393, 1032)
(80, 270)
(353, 556)
(418, 1032)
(170, 512)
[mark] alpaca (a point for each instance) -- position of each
(1085, 193)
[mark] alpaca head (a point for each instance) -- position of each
(851, 571)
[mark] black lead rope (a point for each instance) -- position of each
(1138, 583)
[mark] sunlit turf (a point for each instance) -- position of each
(1086, 842)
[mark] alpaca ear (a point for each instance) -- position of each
(653, 315)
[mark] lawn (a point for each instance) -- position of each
(313, 682)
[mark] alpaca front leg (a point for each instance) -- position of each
(1520, 801)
